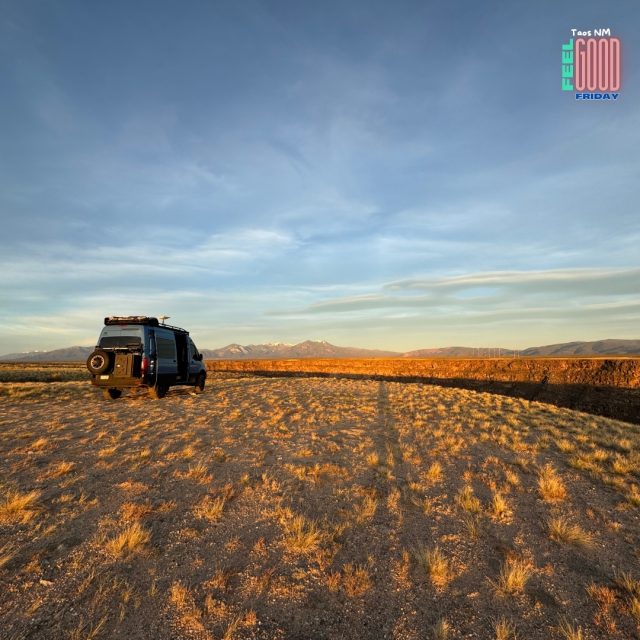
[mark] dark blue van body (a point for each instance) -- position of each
(138, 351)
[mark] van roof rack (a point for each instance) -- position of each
(145, 320)
(152, 322)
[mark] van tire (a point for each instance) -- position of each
(159, 391)
(112, 394)
(200, 382)
(99, 362)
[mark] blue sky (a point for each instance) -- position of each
(392, 175)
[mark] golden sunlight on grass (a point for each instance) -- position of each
(19, 507)
(130, 540)
(441, 630)
(353, 579)
(314, 508)
(550, 485)
(210, 508)
(505, 629)
(569, 630)
(435, 564)
(302, 535)
(562, 530)
(513, 577)
(367, 509)
(6, 555)
(61, 469)
(467, 500)
(433, 473)
(499, 506)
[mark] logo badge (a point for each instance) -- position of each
(591, 65)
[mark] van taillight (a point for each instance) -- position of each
(145, 365)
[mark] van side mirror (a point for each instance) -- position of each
(198, 357)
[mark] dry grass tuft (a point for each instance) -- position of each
(6, 555)
(367, 509)
(472, 526)
(622, 465)
(19, 507)
(629, 585)
(88, 631)
(550, 485)
(569, 631)
(565, 446)
(178, 594)
(373, 459)
(467, 500)
(190, 616)
(40, 444)
(603, 595)
(512, 478)
(133, 511)
(132, 539)
(441, 630)
(434, 473)
(505, 629)
(514, 574)
(355, 580)
(499, 506)
(219, 580)
(210, 508)
(199, 473)
(633, 495)
(61, 469)
(232, 627)
(436, 565)
(302, 535)
(562, 530)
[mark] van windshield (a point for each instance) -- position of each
(120, 342)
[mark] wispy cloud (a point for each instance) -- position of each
(386, 177)
(554, 292)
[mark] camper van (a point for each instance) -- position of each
(139, 351)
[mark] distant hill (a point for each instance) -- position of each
(457, 352)
(588, 349)
(68, 354)
(323, 349)
(306, 349)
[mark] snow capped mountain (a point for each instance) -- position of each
(324, 349)
(281, 350)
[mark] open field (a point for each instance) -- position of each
(607, 386)
(43, 372)
(602, 386)
(314, 508)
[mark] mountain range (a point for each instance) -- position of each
(323, 349)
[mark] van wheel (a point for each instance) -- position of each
(98, 362)
(199, 386)
(159, 391)
(112, 394)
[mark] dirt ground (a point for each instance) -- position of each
(314, 508)
(605, 386)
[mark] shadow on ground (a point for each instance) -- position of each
(611, 402)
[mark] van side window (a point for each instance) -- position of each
(166, 348)
(194, 349)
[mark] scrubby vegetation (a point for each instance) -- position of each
(316, 508)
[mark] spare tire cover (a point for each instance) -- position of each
(98, 362)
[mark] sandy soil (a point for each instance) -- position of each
(314, 508)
